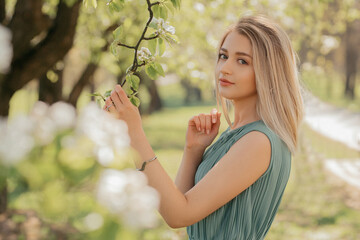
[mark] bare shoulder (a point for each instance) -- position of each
(254, 148)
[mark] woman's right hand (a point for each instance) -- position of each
(202, 130)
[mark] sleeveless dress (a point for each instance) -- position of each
(250, 214)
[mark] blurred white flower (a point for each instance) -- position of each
(5, 49)
(93, 221)
(328, 44)
(126, 194)
(16, 139)
(63, 115)
(49, 120)
(106, 132)
(199, 7)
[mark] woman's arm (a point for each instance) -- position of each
(237, 170)
(185, 178)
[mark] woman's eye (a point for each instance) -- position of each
(242, 61)
(222, 56)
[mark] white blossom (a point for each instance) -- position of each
(126, 194)
(63, 115)
(199, 7)
(93, 221)
(164, 28)
(106, 132)
(16, 139)
(145, 55)
(49, 120)
(6, 50)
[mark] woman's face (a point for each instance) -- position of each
(234, 71)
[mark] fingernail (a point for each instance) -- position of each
(208, 131)
(199, 129)
(214, 119)
(117, 88)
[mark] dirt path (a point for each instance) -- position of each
(340, 125)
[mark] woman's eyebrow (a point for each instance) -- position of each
(237, 53)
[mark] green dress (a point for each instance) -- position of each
(250, 214)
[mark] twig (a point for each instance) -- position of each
(135, 64)
(124, 45)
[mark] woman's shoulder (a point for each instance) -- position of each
(260, 126)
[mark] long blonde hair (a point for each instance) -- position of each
(279, 102)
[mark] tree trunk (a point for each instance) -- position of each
(193, 93)
(352, 38)
(35, 62)
(3, 195)
(84, 80)
(2, 11)
(51, 92)
(155, 100)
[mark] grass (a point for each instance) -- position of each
(330, 87)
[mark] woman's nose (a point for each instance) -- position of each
(226, 67)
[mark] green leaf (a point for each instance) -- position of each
(156, 11)
(159, 69)
(92, 3)
(117, 7)
(171, 38)
(114, 48)
(117, 33)
(153, 23)
(97, 95)
(128, 90)
(151, 71)
(163, 13)
(107, 93)
(134, 81)
(169, 7)
(176, 3)
(135, 101)
(152, 45)
(161, 45)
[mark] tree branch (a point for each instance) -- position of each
(27, 22)
(151, 16)
(124, 45)
(155, 3)
(2, 11)
(81, 83)
(53, 48)
(149, 38)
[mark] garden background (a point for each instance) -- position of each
(54, 170)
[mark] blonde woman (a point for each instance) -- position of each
(231, 189)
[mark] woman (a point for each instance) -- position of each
(232, 189)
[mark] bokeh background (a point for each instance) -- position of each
(59, 51)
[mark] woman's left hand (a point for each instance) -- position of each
(119, 105)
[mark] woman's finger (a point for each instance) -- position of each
(122, 95)
(116, 100)
(208, 123)
(197, 123)
(214, 115)
(109, 106)
(202, 122)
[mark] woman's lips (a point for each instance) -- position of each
(224, 82)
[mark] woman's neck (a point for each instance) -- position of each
(245, 111)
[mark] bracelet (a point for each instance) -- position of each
(144, 164)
